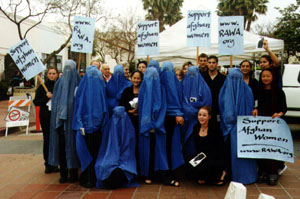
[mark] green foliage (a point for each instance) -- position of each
(167, 12)
(246, 8)
(288, 28)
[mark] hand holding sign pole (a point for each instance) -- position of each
(27, 61)
(198, 29)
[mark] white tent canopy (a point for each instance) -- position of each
(173, 45)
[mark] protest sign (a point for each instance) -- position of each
(264, 137)
(198, 28)
(148, 38)
(26, 59)
(83, 34)
(231, 35)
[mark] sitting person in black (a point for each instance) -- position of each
(208, 140)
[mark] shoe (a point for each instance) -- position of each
(87, 184)
(54, 169)
(273, 179)
(280, 171)
(261, 177)
(48, 169)
(63, 180)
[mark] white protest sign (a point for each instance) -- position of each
(198, 28)
(26, 59)
(231, 35)
(83, 34)
(148, 38)
(264, 137)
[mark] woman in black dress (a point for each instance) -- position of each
(43, 100)
(271, 102)
(246, 67)
(208, 140)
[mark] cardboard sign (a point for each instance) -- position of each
(198, 28)
(264, 137)
(83, 34)
(148, 38)
(26, 59)
(231, 35)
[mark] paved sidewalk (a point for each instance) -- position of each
(22, 176)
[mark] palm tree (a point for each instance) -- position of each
(246, 8)
(167, 12)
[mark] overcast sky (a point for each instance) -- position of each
(121, 6)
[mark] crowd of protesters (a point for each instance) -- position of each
(108, 130)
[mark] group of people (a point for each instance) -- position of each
(116, 128)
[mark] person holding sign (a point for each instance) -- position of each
(236, 99)
(271, 61)
(209, 141)
(62, 149)
(43, 100)
(271, 102)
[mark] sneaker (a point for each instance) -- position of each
(280, 171)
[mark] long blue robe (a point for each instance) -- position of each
(117, 148)
(236, 99)
(196, 94)
(152, 110)
(90, 111)
(116, 86)
(173, 89)
(62, 105)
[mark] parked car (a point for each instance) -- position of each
(291, 87)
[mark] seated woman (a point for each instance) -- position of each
(116, 163)
(208, 140)
(271, 102)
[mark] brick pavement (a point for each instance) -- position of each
(22, 176)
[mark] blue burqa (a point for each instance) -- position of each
(116, 86)
(117, 148)
(196, 94)
(155, 64)
(90, 111)
(236, 99)
(62, 105)
(173, 89)
(152, 109)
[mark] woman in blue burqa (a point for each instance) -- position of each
(62, 149)
(174, 118)
(236, 99)
(116, 163)
(152, 135)
(116, 86)
(196, 94)
(90, 116)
